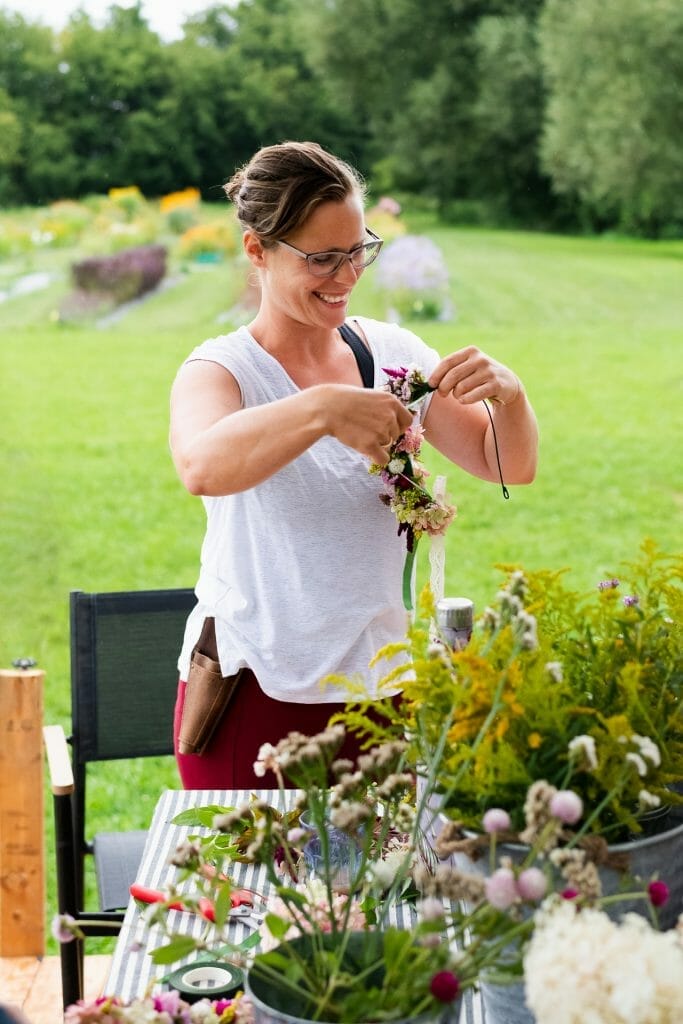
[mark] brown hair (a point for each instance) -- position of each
(280, 187)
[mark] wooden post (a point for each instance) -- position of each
(22, 855)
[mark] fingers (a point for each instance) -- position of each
(369, 421)
(471, 376)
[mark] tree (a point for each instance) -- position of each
(613, 134)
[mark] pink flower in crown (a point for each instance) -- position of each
(100, 1011)
(411, 442)
(168, 1002)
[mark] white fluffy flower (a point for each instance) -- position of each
(639, 762)
(584, 968)
(648, 749)
(647, 799)
(584, 745)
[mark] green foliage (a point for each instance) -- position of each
(450, 102)
(614, 120)
(580, 690)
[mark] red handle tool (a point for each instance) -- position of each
(238, 898)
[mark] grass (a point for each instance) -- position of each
(90, 499)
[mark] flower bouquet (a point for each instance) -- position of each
(401, 936)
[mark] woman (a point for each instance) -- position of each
(272, 426)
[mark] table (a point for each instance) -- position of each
(133, 973)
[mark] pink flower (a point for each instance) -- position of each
(501, 888)
(222, 1004)
(532, 884)
(167, 1002)
(496, 820)
(658, 893)
(389, 205)
(566, 806)
(569, 893)
(411, 441)
(64, 928)
(444, 986)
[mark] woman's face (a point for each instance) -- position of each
(287, 283)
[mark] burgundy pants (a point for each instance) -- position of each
(252, 718)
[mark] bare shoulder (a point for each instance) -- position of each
(203, 392)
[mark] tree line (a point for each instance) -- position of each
(546, 113)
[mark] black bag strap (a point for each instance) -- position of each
(366, 364)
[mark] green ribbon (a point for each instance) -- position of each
(408, 577)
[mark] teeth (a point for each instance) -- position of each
(330, 298)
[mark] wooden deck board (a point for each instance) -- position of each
(35, 985)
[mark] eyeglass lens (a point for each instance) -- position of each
(322, 263)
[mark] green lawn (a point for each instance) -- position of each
(90, 499)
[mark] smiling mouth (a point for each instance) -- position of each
(331, 300)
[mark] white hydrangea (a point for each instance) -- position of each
(584, 968)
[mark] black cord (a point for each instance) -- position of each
(506, 493)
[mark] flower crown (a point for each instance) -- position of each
(416, 510)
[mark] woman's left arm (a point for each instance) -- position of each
(458, 424)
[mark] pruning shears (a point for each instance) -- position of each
(241, 902)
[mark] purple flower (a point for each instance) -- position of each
(444, 986)
(608, 584)
(411, 262)
(399, 374)
(658, 893)
(630, 600)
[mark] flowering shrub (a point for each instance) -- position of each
(64, 222)
(579, 690)
(167, 1008)
(216, 238)
(187, 197)
(181, 209)
(384, 219)
(128, 199)
(123, 276)
(413, 275)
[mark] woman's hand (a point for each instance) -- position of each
(470, 375)
(458, 424)
(220, 448)
(365, 420)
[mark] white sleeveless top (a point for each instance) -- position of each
(303, 572)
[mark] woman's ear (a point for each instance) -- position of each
(253, 247)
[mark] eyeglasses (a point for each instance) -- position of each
(324, 264)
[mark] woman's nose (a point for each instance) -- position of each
(347, 272)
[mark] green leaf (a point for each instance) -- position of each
(222, 905)
(291, 896)
(200, 815)
(277, 927)
(174, 950)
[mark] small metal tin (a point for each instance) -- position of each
(455, 619)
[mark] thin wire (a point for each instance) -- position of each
(506, 493)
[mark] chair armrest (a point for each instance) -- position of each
(58, 760)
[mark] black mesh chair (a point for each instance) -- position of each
(124, 652)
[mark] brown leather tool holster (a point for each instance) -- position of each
(207, 694)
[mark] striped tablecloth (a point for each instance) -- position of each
(132, 972)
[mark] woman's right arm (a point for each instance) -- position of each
(220, 448)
